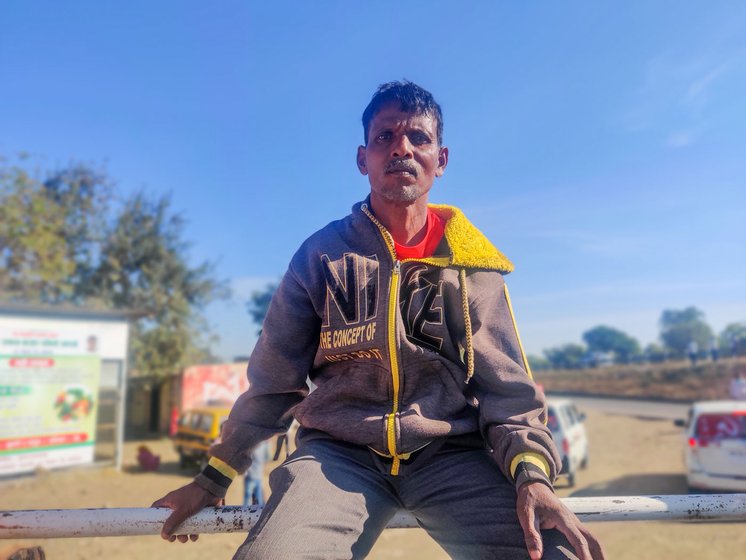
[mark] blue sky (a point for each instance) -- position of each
(601, 146)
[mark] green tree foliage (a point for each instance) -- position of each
(733, 339)
(34, 263)
(258, 304)
(569, 356)
(655, 353)
(63, 240)
(48, 232)
(143, 267)
(82, 197)
(538, 363)
(681, 326)
(608, 339)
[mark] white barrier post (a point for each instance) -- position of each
(113, 522)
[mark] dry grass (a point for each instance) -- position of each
(669, 381)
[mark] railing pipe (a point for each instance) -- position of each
(112, 522)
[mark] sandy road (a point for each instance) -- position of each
(629, 456)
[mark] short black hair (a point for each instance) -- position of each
(412, 99)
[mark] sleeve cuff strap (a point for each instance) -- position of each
(215, 489)
(534, 459)
(222, 467)
(527, 473)
(216, 477)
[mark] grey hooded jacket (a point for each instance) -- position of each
(402, 353)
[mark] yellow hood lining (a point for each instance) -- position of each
(469, 246)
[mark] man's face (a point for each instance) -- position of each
(403, 156)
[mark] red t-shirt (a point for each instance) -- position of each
(426, 247)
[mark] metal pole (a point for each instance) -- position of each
(121, 415)
(63, 523)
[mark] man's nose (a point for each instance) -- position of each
(402, 147)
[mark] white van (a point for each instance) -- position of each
(715, 446)
(568, 431)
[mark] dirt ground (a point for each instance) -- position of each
(628, 456)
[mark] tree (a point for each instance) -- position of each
(83, 198)
(143, 267)
(258, 304)
(608, 339)
(569, 356)
(34, 263)
(680, 327)
(733, 339)
(48, 232)
(538, 363)
(655, 353)
(64, 241)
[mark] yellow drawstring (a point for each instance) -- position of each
(467, 326)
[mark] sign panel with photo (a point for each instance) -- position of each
(48, 389)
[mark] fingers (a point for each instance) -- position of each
(182, 538)
(579, 545)
(162, 502)
(173, 521)
(185, 502)
(597, 552)
(577, 536)
(531, 534)
(537, 507)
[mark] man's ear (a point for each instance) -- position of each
(442, 161)
(362, 165)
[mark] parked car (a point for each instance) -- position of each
(568, 431)
(196, 431)
(715, 446)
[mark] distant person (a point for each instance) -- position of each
(147, 460)
(253, 492)
(733, 345)
(400, 315)
(738, 386)
(693, 349)
(714, 349)
(173, 424)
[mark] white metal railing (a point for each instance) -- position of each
(111, 522)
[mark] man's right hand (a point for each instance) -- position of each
(186, 501)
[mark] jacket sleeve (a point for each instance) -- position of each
(277, 372)
(512, 409)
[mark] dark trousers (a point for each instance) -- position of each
(331, 500)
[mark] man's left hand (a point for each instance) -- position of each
(538, 508)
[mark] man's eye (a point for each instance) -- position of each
(419, 139)
(384, 137)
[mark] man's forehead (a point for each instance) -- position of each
(392, 114)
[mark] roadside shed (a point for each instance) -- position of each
(62, 386)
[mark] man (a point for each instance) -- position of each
(253, 492)
(400, 316)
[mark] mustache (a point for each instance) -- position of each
(398, 165)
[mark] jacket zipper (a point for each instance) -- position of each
(393, 357)
(393, 351)
(391, 323)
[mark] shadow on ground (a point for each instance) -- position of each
(636, 485)
(167, 468)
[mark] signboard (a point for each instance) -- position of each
(213, 384)
(49, 380)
